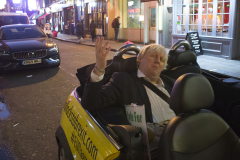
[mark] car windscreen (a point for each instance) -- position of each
(7, 20)
(22, 33)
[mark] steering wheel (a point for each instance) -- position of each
(127, 47)
(180, 43)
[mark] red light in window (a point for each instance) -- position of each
(137, 10)
(131, 11)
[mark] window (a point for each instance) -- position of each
(208, 17)
(22, 32)
(133, 13)
(181, 16)
(193, 15)
(96, 11)
(223, 8)
(15, 20)
(153, 17)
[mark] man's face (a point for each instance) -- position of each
(152, 63)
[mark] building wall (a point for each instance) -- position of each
(133, 34)
(142, 34)
(111, 12)
(235, 53)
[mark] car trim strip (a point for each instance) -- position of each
(116, 145)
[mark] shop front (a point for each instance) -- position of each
(79, 6)
(212, 19)
(139, 20)
(69, 20)
(57, 17)
(95, 10)
(63, 16)
(132, 20)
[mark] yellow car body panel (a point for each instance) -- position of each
(84, 136)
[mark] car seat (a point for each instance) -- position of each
(117, 64)
(181, 62)
(196, 133)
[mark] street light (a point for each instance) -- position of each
(2, 5)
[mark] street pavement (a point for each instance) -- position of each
(214, 64)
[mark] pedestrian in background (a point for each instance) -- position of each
(115, 25)
(72, 27)
(79, 30)
(69, 27)
(92, 28)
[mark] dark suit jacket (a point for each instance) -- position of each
(123, 89)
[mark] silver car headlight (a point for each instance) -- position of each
(55, 48)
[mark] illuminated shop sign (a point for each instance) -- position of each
(2, 4)
(48, 10)
(32, 5)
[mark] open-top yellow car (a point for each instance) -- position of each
(195, 133)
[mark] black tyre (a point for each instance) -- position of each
(61, 153)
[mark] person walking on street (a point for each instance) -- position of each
(79, 30)
(115, 25)
(92, 28)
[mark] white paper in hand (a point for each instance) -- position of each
(136, 117)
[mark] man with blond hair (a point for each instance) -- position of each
(125, 88)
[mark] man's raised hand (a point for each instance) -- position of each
(101, 54)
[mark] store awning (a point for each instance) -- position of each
(41, 17)
(36, 17)
(33, 15)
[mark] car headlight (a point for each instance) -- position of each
(55, 48)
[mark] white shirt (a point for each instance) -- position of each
(160, 109)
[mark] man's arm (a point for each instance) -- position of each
(92, 91)
(98, 96)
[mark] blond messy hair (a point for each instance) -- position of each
(153, 48)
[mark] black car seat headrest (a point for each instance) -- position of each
(120, 64)
(178, 58)
(128, 65)
(191, 92)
